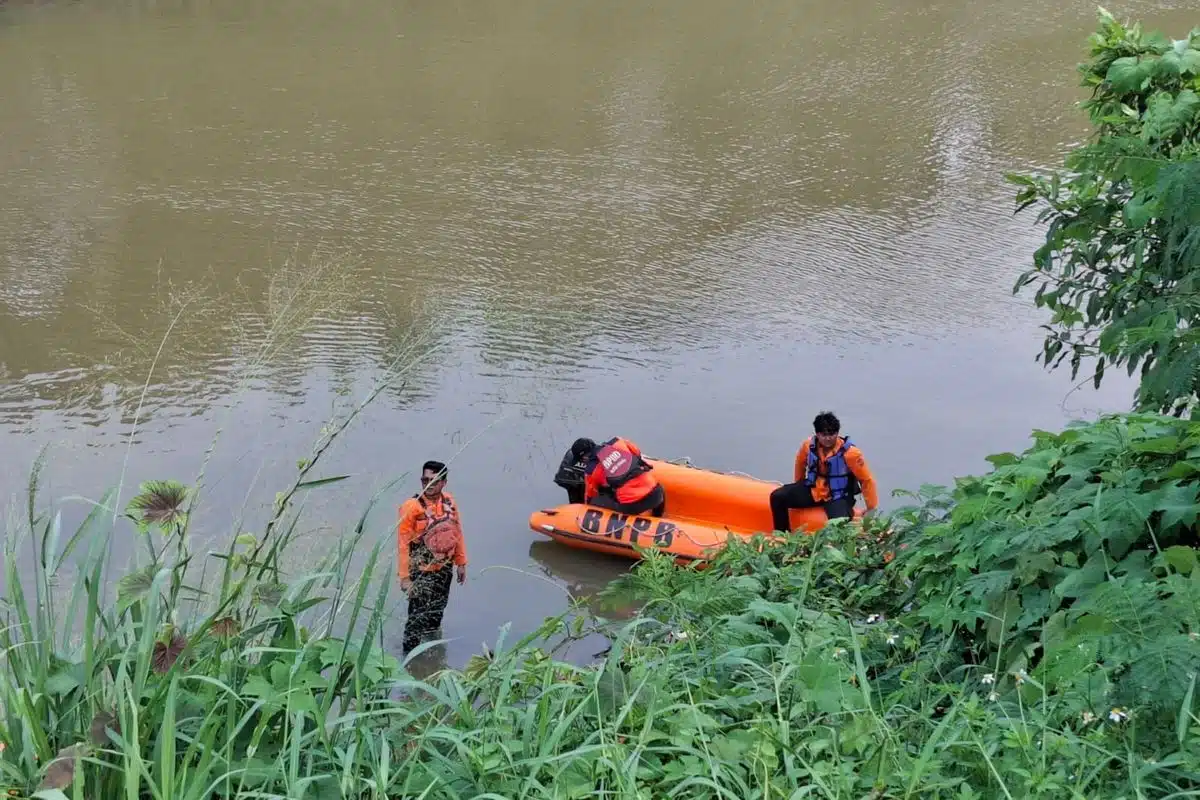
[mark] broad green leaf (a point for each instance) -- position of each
(269, 594)
(1031, 566)
(135, 585)
(1181, 59)
(1182, 470)
(61, 682)
(1140, 210)
(1003, 617)
(1079, 582)
(784, 614)
(1181, 558)
(1001, 459)
(1167, 115)
(1167, 445)
(1178, 504)
(1126, 75)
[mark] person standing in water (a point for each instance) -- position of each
(830, 471)
(429, 539)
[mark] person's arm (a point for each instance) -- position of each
(801, 462)
(633, 448)
(406, 531)
(460, 554)
(592, 483)
(858, 465)
(460, 548)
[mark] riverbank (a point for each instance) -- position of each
(1034, 635)
(1032, 632)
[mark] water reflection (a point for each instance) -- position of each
(694, 225)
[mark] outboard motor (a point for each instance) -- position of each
(570, 476)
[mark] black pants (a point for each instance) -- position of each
(427, 598)
(655, 503)
(797, 495)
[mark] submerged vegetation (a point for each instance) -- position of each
(1033, 632)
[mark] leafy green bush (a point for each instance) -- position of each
(1028, 633)
(1073, 567)
(1120, 265)
(990, 657)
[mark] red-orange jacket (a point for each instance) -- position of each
(415, 519)
(854, 460)
(630, 492)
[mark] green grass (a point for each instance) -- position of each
(814, 668)
(1033, 632)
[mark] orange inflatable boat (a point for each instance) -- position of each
(704, 508)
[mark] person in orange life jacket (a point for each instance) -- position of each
(428, 539)
(618, 478)
(830, 471)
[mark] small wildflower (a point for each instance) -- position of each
(839, 652)
(993, 696)
(892, 638)
(989, 679)
(1020, 676)
(1118, 715)
(1088, 717)
(873, 618)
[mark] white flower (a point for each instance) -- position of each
(839, 652)
(892, 638)
(680, 636)
(1118, 715)
(1088, 717)
(873, 618)
(993, 697)
(989, 679)
(1020, 676)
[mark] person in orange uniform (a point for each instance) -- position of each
(429, 539)
(830, 471)
(618, 478)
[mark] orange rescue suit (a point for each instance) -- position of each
(416, 518)
(632, 490)
(854, 460)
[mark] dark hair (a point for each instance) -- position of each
(435, 467)
(582, 447)
(826, 422)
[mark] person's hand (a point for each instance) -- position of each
(462, 573)
(405, 584)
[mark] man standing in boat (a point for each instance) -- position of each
(429, 539)
(830, 471)
(618, 467)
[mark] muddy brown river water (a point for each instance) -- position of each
(692, 224)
